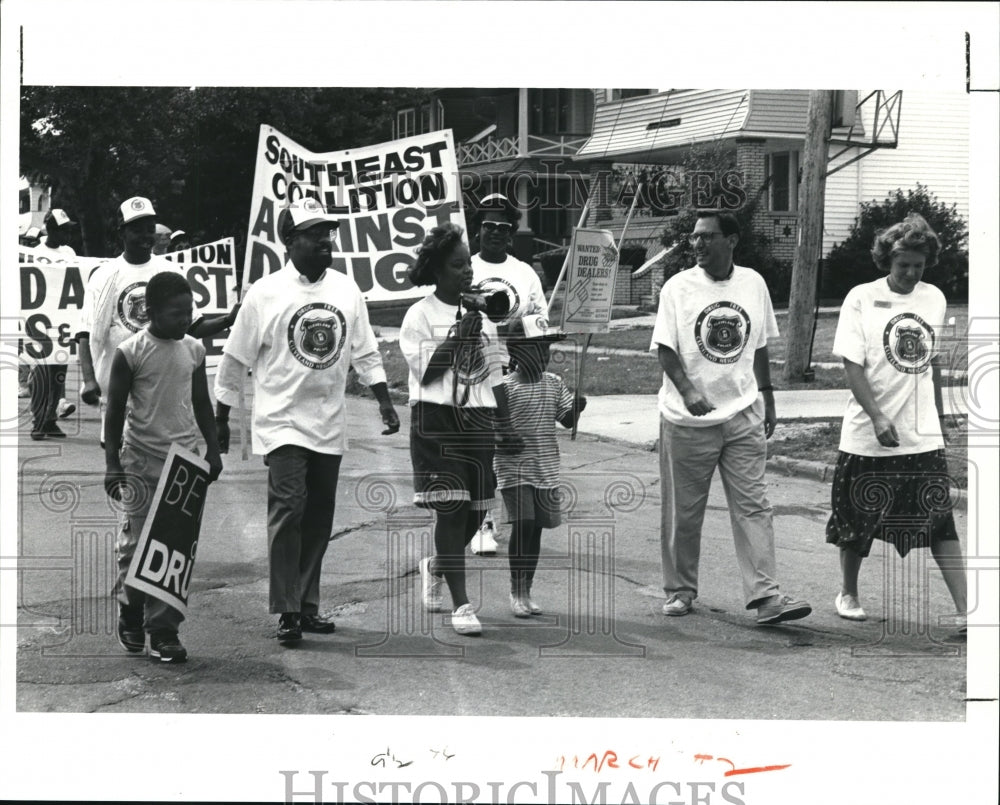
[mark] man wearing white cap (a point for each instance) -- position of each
(299, 331)
(48, 381)
(114, 304)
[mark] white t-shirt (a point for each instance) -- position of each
(299, 338)
(894, 337)
(425, 325)
(57, 254)
(114, 307)
(715, 327)
(515, 278)
(160, 410)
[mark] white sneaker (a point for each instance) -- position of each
(65, 408)
(430, 587)
(23, 390)
(533, 608)
(849, 607)
(519, 606)
(677, 605)
(484, 543)
(464, 620)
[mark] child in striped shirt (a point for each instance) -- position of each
(529, 481)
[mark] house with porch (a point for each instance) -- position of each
(881, 141)
(522, 142)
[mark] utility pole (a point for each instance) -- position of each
(802, 296)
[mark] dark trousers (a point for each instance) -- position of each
(301, 495)
(48, 386)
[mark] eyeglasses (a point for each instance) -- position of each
(705, 237)
(497, 226)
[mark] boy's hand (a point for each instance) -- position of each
(114, 481)
(579, 403)
(222, 432)
(214, 466)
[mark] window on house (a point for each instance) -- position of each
(783, 170)
(406, 123)
(550, 111)
(425, 119)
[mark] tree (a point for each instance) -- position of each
(850, 262)
(190, 150)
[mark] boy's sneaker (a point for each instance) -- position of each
(130, 635)
(430, 587)
(53, 431)
(677, 605)
(464, 620)
(532, 606)
(289, 628)
(519, 606)
(484, 542)
(38, 434)
(783, 609)
(65, 408)
(166, 647)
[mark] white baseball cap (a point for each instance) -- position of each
(132, 209)
(301, 215)
(59, 218)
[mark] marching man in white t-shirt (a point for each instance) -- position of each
(298, 331)
(717, 410)
(114, 302)
(495, 270)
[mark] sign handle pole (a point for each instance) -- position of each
(586, 342)
(562, 271)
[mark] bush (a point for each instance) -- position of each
(850, 262)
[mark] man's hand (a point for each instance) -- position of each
(770, 417)
(885, 431)
(91, 393)
(222, 431)
(389, 418)
(696, 403)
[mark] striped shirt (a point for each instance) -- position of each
(534, 409)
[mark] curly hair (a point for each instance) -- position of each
(912, 234)
(163, 287)
(432, 253)
(496, 203)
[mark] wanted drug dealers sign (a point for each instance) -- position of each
(164, 557)
(386, 197)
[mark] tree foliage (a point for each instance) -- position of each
(190, 150)
(850, 262)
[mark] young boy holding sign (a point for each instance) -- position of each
(160, 374)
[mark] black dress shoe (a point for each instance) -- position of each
(318, 624)
(289, 628)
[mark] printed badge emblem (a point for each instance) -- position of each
(493, 285)
(132, 307)
(316, 335)
(908, 343)
(722, 331)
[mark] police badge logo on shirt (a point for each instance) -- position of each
(316, 335)
(722, 331)
(132, 307)
(908, 343)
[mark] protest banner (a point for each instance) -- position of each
(386, 196)
(587, 293)
(52, 296)
(164, 556)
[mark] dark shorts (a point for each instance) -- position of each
(526, 502)
(905, 501)
(452, 454)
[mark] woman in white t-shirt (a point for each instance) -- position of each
(458, 410)
(891, 481)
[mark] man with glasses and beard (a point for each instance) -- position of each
(299, 330)
(717, 410)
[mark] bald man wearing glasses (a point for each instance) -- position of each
(717, 410)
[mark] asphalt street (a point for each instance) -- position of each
(601, 648)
